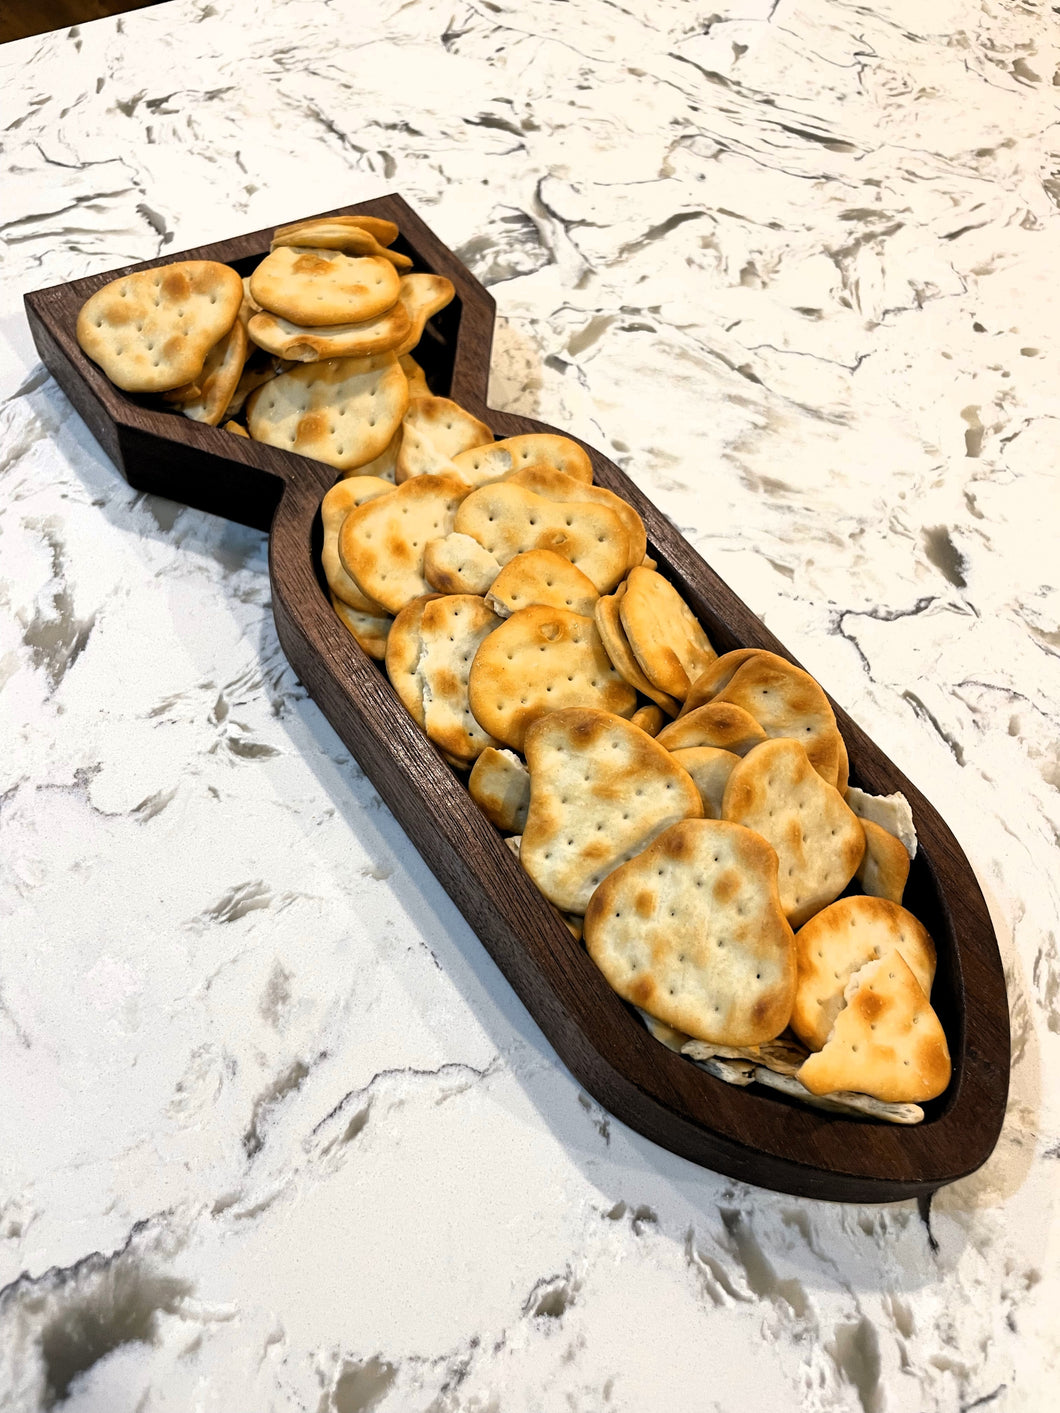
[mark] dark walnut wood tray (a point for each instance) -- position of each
(751, 1134)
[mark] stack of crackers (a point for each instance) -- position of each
(690, 815)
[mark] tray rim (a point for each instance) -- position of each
(293, 486)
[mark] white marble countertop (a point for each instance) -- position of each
(275, 1133)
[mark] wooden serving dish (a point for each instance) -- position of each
(751, 1134)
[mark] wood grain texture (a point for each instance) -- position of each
(750, 1134)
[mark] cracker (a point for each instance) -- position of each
(500, 785)
(710, 769)
(417, 379)
(884, 870)
(665, 635)
(549, 449)
(538, 661)
(781, 1056)
(508, 520)
(327, 233)
(343, 497)
(382, 544)
(457, 564)
(692, 930)
(787, 702)
(776, 791)
(886, 1042)
(718, 724)
(841, 1101)
(151, 331)
(302, 344)
(556, 485)
(616, 645)
(383, 465)
(839, 941)
(235, 429)
(219, 378)
(382, 230)
(843, 773)
(890, 812)
(451, 629)
(716, 677)
(318, 287)
(248, 306)
(404, 650)
(650, 719)
(422, 297)
(343, 411)
(433, 431)
(257, 371)
(369, 630)
(600, 792)
(543, 577)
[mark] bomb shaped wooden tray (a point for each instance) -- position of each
(753, 1134)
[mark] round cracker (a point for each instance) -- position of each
(151, 331)
(343, 411)
(540, 660)
(318, 287)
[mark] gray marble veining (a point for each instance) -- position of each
(276, 1135)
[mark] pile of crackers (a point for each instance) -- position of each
(690, 815)
(308, 353)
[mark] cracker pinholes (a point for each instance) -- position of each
(541, 576)
(838, 942)
(451, 628)
(787, 702)
(318, 287)
(665, 635)
(382, 544)
(457, 564)
(551, 484)
(433, 431)
(343, 411)
(508, 520)
(548, 449)
(776, 791)
(539, 660)
(717, 676)
(692, 930)
(151, 331)
(600, 791)
(886, 1041)
(718, 724)
(347, 495)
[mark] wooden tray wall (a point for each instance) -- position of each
(751, 1134)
